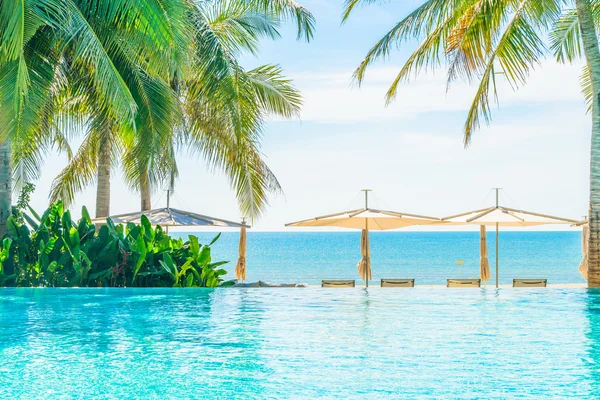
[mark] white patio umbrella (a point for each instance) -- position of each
(503, 216)
(168, 217)
(366, 219)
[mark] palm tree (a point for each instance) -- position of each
(225, 106)
(145, 59)
(35, 36)
(476, 39)
(221, 114)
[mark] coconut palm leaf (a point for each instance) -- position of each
(79, 172)
(434, 18)
(288, 10)
(475, 38)
(237, 26)
(565, 40)
(275, 93)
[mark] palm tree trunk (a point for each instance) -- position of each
(103, 189)
(146, 202)
(592, 56)
(5, 184)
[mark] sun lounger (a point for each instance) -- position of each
(338, 283)
(464, 283)
(530, 282)
(399, 283)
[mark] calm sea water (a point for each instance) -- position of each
(429, 257)
(299, 343)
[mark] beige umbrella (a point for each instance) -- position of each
(484, 264)
(503, 216)
(583, 265)
(366, 219)
(240, 268)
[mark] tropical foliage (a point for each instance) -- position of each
(480, 41)
(54, 250)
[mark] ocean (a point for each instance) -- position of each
(428, 257)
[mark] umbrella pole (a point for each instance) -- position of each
(497, 193)
(368, 241)
(368, 254)
(496, 255)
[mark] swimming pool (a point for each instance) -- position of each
(299, 343)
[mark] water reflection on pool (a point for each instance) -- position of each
(299, 343)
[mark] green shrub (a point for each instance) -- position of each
(53, 250)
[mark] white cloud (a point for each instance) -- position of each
(542, 164)
(330, 97)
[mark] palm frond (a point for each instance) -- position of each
(275, 92)
(78, 173)
(90, 55)
(288, 10)
(433, 17)
(159, 112)
(586, 88)
(238, 26)
(471, 38)
(12, 29)
(350, 5)
(565, 39)
(517, 50)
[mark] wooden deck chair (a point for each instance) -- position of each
(463, 283)
(338, 283)
(530, 282)
(397, 283)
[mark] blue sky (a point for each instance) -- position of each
(409, 153)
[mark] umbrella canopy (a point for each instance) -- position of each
(172, 217)
(366, 219)
(484, 264)
(503, 216)
(376, 220)
(240, 268)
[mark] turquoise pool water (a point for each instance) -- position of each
(299, 343)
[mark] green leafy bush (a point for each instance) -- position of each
(54, 250)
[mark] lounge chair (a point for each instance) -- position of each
(338, 283)
(464, 283)
(530, 282)
(399, 283)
